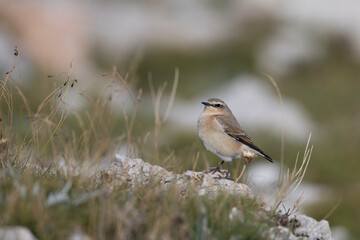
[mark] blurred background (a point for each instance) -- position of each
(222, 49)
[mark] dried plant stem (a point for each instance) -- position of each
(293, 179)
(8, 98)
(64, 115)
(332, 210)
(196, 161)
(282, 164)
(159, 122)
(242, 172)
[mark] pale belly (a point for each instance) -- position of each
(217, 142)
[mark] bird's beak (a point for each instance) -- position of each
(206, 103)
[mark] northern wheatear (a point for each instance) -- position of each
(222, 135)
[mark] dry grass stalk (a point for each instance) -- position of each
(332, 210)
(282, 150)
(45, 123)
(293, 179)
(160, 121)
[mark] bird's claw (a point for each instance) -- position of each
(214, 169)
(229, 178)
(222, 177)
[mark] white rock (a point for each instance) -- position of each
(168, 179)
(281, 233)
(188, 173)
(205, 184)
(16, 233)
(136, 171)
(312, 229)
(202, 192)
(146, 168)
(303, 227)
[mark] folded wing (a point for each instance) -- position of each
(232, 128)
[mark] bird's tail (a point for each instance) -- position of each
(266, 156)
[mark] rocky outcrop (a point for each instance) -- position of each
(136, 171)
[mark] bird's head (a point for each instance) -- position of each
(215, 106)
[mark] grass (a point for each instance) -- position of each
(48, 169)
(142, 213)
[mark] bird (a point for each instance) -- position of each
(222, 135)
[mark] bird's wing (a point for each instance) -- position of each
(232, 128)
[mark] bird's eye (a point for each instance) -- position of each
(217, 105)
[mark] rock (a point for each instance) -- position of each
(281, 233)
(16, 233)
(136, 171)
(301, 227)
(129, 171)
(312, 229)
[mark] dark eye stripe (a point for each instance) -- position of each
(217, 105)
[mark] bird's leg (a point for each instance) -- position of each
(218, 168)
(228, 172)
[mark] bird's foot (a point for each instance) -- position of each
(214, 169)
(227, 178)
(219, 176)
